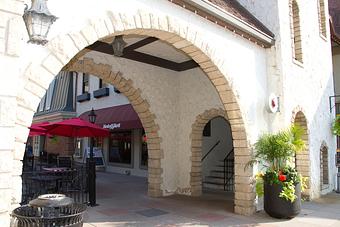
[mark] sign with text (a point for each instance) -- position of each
(111, 126)
(97, 155)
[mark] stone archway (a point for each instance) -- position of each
(141, 106)
(244, 194)
(302, 159)
(67, 49)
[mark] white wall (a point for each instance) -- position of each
(313, 95)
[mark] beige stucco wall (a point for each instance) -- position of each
(176, 98)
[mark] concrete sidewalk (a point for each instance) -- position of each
(123, 202)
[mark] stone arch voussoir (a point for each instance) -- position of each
(141, 107)
(302, 159)
(244, 191)
(65, 51)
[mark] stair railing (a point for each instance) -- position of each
(226, 166)
(211, 149)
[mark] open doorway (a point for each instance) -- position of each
(217, 156)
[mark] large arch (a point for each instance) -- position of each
(196, 147)
(65, 50)
(141, 107)
(244, 193)
(302, 159)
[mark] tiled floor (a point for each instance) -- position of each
(123, 202)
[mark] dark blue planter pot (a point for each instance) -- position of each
(278, 207)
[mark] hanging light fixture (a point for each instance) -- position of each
(38, 21)
(118, 45)
(92, 116)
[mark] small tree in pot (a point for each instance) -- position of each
(280, 184)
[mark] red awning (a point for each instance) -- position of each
(116, 117)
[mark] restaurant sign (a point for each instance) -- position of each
(111, 126)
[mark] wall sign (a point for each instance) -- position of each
(97, 155)
(111, 126)
(273, 103)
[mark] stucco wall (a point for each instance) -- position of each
(311, 96)
(248, 68)
(176, 99)
(196, 94)
(307, 86)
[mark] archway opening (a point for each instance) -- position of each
(302, 161)
(110, 70)
(218, 157)
(324, 173)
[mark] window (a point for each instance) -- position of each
(85, 87)
(295, 31)
(120, 148)
(49, 95)
(144, 152)
(322, 18)
(42, 104)
(102, 84)
(323, 166)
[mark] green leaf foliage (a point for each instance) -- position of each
(274, 151)
(336, 126)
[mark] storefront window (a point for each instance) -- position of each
(120, 148)
(144, 152)
(98, 142)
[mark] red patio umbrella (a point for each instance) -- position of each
(75, 127)
(37, 129)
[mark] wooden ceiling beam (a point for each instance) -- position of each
(130, 53)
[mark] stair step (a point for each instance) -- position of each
(214, 183)
(230, 159)
(215, 177)
(217, 171)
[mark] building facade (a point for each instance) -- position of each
(125, 151)
(225, 59)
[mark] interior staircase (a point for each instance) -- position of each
(222, 176)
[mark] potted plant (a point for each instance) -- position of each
(280, 183)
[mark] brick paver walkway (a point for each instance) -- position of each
(123, 202)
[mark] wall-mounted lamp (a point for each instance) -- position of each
(118, 45)
(38, 21)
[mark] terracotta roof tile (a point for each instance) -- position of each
(236, 9)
